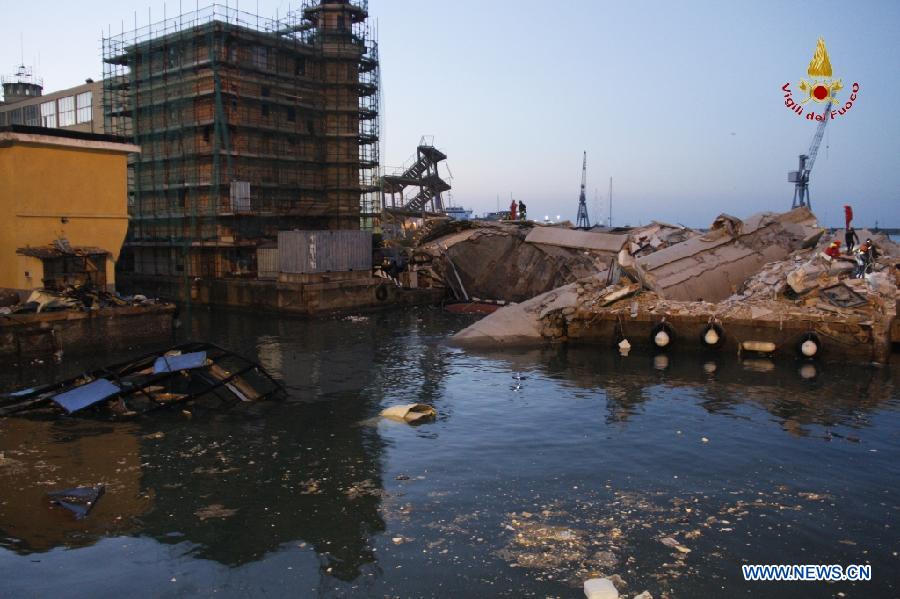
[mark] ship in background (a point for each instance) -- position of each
(458, 212)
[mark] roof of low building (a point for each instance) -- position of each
(65, 137)
(49, 251)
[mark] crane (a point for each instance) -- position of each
(800, 177)
(582, 222)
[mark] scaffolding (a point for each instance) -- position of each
(247, 126)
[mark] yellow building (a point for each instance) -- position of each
(63, 207)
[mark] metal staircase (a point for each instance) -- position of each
(419, 186)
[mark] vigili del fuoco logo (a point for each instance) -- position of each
(820, 88)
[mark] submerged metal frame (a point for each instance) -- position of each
(37, 398)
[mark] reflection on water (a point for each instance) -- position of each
(544, 467)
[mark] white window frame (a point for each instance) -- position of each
(48, 114)
(84, 107)
(66, 111)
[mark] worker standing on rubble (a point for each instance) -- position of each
(521, 210)
(512, 210)
(833, 250)
(851, 239)
(871, 251)
(863, 258)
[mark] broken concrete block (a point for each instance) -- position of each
(613, 294)
(805, 278)
(757, 312)
(882, 284)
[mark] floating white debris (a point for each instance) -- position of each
(600, 588)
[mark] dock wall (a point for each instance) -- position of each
(304, 296)
(71, 332)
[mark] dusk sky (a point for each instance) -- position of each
(681, 103)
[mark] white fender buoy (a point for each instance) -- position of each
(624, 347)
(809, 348)
(711, 337)
(661, 339)
(764, 347)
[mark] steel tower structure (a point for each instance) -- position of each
(582, 221)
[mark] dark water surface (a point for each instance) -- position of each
(544, 468)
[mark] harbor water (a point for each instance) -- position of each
(544, 468)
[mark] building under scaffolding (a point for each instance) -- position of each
(247, 126)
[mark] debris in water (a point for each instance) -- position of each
(79, 500)
(200, 372)
(600, 588)
(410, 413)
(363, 488)
(670, 542)
(812, 496)
(214, 511)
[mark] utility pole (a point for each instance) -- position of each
(610, 202)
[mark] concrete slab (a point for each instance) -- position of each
(582, 240)
(519, 324)
(714, 266)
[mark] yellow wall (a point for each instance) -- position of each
(41, 186)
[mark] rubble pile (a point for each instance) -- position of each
(807, 285)
(657, 235)
(802, 292)
(81, 298)
(808, 269)
(493, 261)
(513, 262)
(712, 266)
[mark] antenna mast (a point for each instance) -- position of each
(582, 222)
(610, 202)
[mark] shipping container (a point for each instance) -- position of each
(309, 252)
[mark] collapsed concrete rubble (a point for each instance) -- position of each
(512, 262)
(802, 303)
(712, 266)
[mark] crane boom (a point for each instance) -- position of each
(800, 177)
(817, 139)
